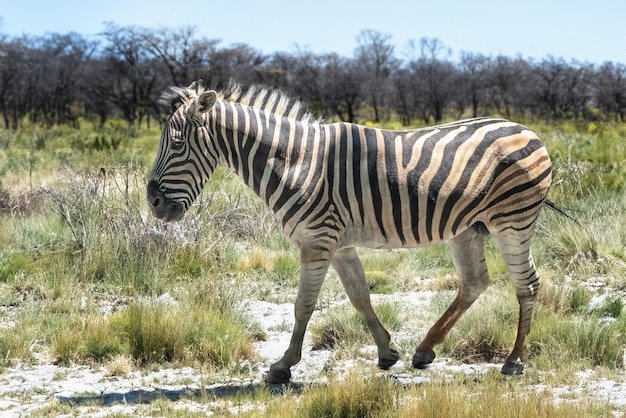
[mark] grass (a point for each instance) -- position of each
(344, 326)
(577, 340)
(564, 331)
(487, 330)
(354, 397)
(361, 394)
(83, 267)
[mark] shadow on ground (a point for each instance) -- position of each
(143, 396)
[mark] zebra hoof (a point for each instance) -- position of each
(278, 376)
(512, 368)
(422, 359)
(386, 363)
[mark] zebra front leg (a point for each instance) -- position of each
(314, 264)
(350, 270)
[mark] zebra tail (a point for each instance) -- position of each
(561, 212)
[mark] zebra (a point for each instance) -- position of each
(335, 187)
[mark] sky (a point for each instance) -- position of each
(592, 31)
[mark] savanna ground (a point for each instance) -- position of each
(105, 311)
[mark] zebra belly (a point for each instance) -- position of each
(373, 238)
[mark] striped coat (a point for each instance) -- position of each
(335, 187)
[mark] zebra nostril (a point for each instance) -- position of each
(155, 195)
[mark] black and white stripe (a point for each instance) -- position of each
(338, 186)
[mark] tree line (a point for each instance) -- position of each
(121, 73)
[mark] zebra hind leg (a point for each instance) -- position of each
(516, 253)
(350, 271)
(468, 255)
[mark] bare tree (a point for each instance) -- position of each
(183, 57)
(611, 90)
(402, 96)
(472, 82)
(562, 88)
(21, 65)
(10, 59)
(239, 62)
(342, 86)
(330, 83)
(302, 75)
(64, 59)
(97, 106)
(130, 75)
(375, 56)
(504, 76)
(51, 79)
(434, 79)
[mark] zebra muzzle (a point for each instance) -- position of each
(161, 207)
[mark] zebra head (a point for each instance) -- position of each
(187, 156)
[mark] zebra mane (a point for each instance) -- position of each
(267, 99)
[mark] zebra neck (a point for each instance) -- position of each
(255, 145)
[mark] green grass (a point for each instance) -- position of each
(343, 326)
(155, 332)
(556, 341)
(487, 330)
(565, 333)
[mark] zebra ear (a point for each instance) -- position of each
(206, 101)
(175, 103)
(196, 85)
